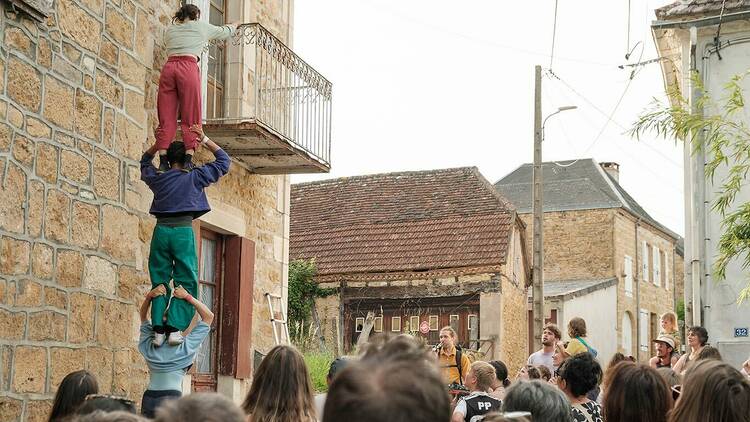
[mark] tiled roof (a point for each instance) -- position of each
(567, 289)
(685, 8)
(400, 222)
(573, 185)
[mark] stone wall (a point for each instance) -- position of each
(577, 244)
(77, 99)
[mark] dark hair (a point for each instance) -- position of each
(577, 327)
(501, 372)
(553, 329)
(699, 332)
(72, 391)
(282, 373)
(713, 391)
(188, 11)
(106, 404)
(336, 366)
(636, 392)
(396, 371)
(545, 373)
(176, 153)
(545, 402)
(102, 416)
(204, 407)
(709, 352)
(533, 372)
(581, 373)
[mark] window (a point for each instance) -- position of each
(643, 339)
(665, 269)
(359, 323)
(473, 327)
(628, 275)
(211, 252)
(627, 334)
(378, 324)
(454, 321)
(434, 324)
(657, 266)
(644, 262)
(216, 77)
(414, 323)
(396, 324)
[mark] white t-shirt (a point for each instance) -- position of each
(320, 403)
(541, 358)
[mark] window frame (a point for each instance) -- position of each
(213, 101)
(412, 327)
(357, 324)
(437, 322)
(375, 321)
(393, 324)
(628, 275)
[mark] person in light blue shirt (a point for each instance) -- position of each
(168, 364)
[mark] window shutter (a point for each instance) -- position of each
(644, 261)
(628, 270)
(237, 310)
(657, 267)
(643, 335)
(666, 271)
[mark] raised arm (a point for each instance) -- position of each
(157, 291)
(206, 315)
(210, 172)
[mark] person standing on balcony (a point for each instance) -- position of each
(180, 80)
(178, 199)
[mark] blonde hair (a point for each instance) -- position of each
(450, 329)
(671, 318)
(577, 327)
(485, 375)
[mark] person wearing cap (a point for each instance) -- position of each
(665, 355)
(320, 399)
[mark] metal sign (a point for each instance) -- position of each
(741, 332)
(424, 327)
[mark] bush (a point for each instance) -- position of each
(318, 364)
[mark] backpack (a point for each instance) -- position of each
(591, 350)
(457, 365)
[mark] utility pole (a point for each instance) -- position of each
(538, 240)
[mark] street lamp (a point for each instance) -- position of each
(559, 110)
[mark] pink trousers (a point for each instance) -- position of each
(179, 91)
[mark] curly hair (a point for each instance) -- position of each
(581, 372)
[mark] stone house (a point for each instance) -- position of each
(418, 249)
(78, 82)
(605, 259)
(708, 39)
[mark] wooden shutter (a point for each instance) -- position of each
(237, 312)
(644, 262)
(657, 266)
(628, 271)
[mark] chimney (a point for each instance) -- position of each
(613, 169)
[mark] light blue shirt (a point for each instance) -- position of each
(166, 358)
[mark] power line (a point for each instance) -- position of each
(554, 32)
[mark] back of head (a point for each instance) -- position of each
(636, 392)
(507, 417)
(200, 407)
(545, 402)
(709, 352)
(577, 327)
(187, 12)
(671, 377)
(281, 374)
(501, 372)
(106, 403)
(713, 391)
(534, 373)
(176, 151)
(544, 372)
(394, 381)
(581, 373)
(102, 416)
(485, 375)
(71, 392)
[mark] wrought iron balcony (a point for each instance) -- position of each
(267, 108)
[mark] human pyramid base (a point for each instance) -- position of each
(393, 378)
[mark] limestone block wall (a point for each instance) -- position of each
(577, 244)
(77, 101)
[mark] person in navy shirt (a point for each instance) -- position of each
(179, 198)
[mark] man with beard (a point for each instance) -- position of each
(665, 356)
(550, 336)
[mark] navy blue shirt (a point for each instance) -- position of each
(180, 193)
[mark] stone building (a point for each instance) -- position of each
(418, 249)
(78, 82)
(605, 258)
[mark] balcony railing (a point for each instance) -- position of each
(282, 122)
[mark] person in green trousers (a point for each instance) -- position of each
(179, 198)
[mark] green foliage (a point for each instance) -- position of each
(725, 139)
(680, 310)
(302, 293)
(318, 364)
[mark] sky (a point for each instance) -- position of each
(428, 84)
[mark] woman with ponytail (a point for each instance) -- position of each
(180, 80)
(501, 380)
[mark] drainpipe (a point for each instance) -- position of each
(697, 174)
(638, 292)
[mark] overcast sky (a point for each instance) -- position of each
(427, 84)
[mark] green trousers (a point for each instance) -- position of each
(173, 257)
